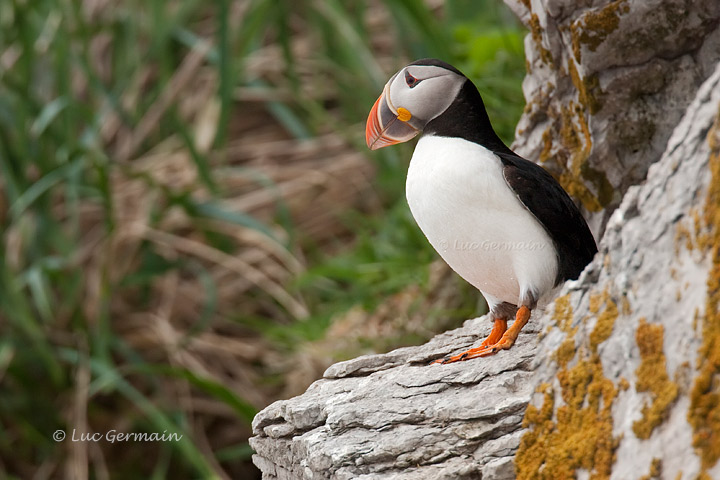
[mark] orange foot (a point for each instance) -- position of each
(500, 338)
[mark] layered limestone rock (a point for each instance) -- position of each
(619, 377)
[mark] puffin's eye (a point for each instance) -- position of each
(410, 80)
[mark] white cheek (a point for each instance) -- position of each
(434, 99)
(402, 96)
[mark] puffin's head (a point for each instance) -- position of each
(413, 97)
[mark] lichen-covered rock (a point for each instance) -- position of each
(607, 83)
(628, 343)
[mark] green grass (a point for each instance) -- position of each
(54, 161)
(84, 94)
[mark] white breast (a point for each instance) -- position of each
(460, 200)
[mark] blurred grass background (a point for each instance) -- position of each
(192, 226)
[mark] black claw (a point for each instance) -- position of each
(463, 356)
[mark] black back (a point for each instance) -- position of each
(541, 194)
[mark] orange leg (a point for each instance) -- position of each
(500, 338)
(497, 332)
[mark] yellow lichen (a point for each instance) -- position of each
(578, 433)
(547, 146)
(569, 142)
(535, 416)
(605, 321)
(596, 301)
(652, 377)
(584, 129)
(580, 437)
(563, 313)
(576, 188)
(570, 132)
(704, 412)
(623, 384)
(703, 238)
(694, 237)
(682, 235)
(655, 470)
(566, 351)
(604, 325)
(575, 138)
(595, 25)
(536, 34)
(588, 88)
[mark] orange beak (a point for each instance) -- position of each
(385, 127)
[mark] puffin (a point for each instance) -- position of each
(501, 222)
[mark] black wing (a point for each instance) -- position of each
(543, 196)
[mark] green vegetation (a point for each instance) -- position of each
(183, 207)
